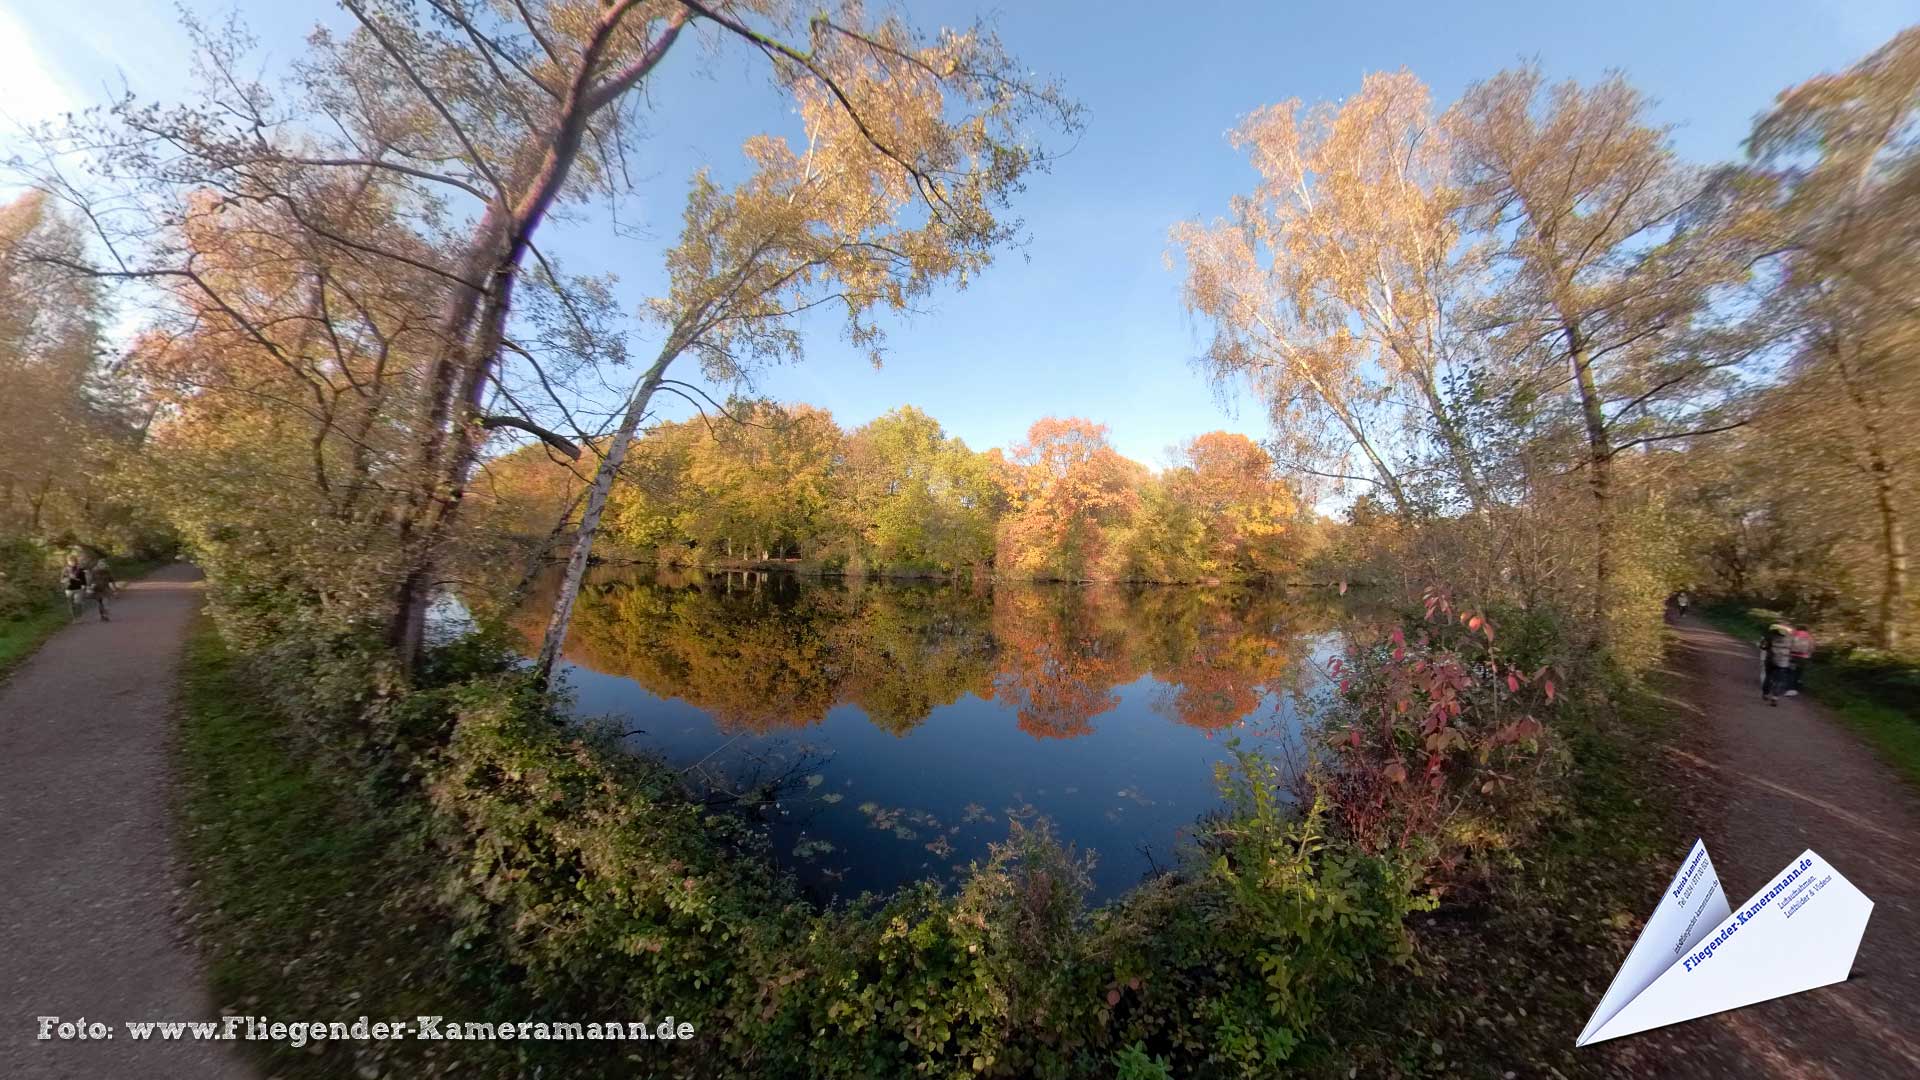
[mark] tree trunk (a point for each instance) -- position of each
(539, 557)
(1893, 535)
(562, 616)
(1386, 477)
(473, 330)
(1456, 444)
(1599, 480)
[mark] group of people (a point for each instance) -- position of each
(1786, 650)
(85, 580)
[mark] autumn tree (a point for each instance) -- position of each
(1339, 282)
(1611, 259)
(914, 496)
(1841, 148)
(71, 421)
(1067, 488)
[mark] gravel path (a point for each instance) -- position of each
(1768, 782)
(88, 897)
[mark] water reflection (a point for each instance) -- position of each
(886, 730)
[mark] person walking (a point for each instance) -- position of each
(73, 579)
(1776, 651)
(1680, 602)
(100, 584)
(1802, 655)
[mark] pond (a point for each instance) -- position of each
(888, 731)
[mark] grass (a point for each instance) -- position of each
(1877, 696)
(311, 905)
(19, 637)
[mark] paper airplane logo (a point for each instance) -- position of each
(1698, 956)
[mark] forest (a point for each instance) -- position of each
(1525, 372)
(898, 496)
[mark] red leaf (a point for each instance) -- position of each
(1474, 623)
(1343, 588)
(1548, 685)
(1113, 997)
(1513, 683)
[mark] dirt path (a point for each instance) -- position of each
(87, 893)
(1769, 782)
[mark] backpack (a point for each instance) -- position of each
(76, 578)
(1780, 650)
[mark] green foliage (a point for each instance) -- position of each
(1132, 1063)
(29, 577)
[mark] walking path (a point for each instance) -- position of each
(87, 892)
(1769, 782)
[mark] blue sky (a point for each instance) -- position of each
(1085, 320)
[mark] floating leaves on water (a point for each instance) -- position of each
(869, 808)
(815, 781)
(809, 849)
(832, 797)
(905, 833)
(940, 846)
(975, 812)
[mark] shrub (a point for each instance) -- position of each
(1436, 746)
(29, 576)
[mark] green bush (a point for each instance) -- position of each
(29, 576)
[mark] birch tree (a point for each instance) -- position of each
(842, 224)
(1611, 255)
(1336, 285)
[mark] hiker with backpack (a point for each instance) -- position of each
(1776, 651)
(1802, 654)
(100, 584)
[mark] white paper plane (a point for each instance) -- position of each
(1697, 956)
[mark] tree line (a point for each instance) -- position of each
(899, 496)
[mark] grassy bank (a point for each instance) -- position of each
(19, 637)
(1876, 695)
(312, 905)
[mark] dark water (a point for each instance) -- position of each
(887, 732)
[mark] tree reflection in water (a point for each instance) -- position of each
(770, 663)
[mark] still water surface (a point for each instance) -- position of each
(890, 731)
